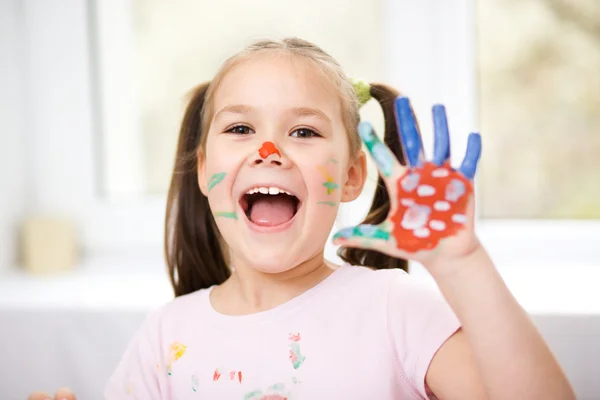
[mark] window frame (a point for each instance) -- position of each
(66, 70)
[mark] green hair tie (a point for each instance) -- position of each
(362, 90)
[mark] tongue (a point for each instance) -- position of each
(272, 210)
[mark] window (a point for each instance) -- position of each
(109, 79)
(151, 54)
(539, 97)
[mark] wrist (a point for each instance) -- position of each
(457, 266)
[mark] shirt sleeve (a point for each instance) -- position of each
(137, 374)
(420, 321)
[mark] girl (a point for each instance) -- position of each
(267, 152)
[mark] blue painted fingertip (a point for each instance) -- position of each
(409, 134)
(469, 164)
(441, 144)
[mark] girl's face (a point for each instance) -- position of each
(277, 162)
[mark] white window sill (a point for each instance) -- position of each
(143, 284)
(101, 283)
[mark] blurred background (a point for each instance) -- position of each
(92, 93)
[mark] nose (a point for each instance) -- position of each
(269, 155)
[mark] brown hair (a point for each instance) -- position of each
(196, 254)
(381, 200)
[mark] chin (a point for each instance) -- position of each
(272, 260)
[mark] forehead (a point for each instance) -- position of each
(278, 81)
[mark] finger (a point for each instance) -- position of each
(364, 236)
(409, 132)
(469, 164)
(441, 143)
(64, 394)
(39, 396)
(386, 161)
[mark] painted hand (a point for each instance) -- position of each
(431, 204)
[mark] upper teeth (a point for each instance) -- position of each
(267, 190)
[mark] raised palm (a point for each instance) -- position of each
(431, 204)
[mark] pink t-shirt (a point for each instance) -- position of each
(359, 334)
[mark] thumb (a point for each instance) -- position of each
(64, 394)
(363, 236)
(39, 396)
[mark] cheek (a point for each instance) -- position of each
(221, 166)
(324, 180)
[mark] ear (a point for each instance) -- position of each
(201, 170)
(357, 175)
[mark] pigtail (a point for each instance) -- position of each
(381, 201)
(193, 244)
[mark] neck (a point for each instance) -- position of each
(249, 290)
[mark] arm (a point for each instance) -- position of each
(498, 353)
(496, 337)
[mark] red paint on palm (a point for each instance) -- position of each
(267, 149)
(432, 202)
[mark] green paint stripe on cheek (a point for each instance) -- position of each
(225, 214)
(331, 186)
(327, 203)
(216, 178)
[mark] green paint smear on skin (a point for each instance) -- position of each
(225, 214)
(331, 186)
(216, 178)
(333, 160)
(327, 203)
(362, 231)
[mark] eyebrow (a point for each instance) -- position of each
(234, 109)
(310, 112)
(243, 109)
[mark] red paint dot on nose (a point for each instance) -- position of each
(267, 149)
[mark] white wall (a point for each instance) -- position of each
(13, 168)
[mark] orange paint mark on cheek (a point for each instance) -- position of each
(267, 149)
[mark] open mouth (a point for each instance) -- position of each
(269, 206)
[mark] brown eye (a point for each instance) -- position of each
(304, 133)
(240, 130)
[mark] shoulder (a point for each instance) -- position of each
(368, 276)
(420, 320)
(175, 313)
(394, 282)
(364, 288)
(403, 293)
(183, 303)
